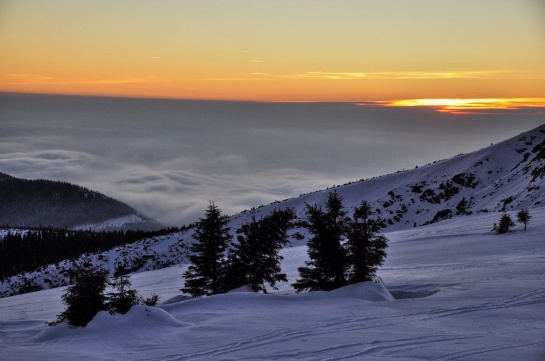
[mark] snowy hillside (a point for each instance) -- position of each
(509, 175)
(148, 254)
(463, 293)
(129, 222)
(453, 290)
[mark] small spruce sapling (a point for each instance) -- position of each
(124, 297)
(523, 216)
(85, 297)
(505, 224)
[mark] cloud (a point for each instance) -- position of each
(466, 106)
(457, 74)
(399, 75)
(44, 79)
(58, 162)
(331, 75)
(169, 158)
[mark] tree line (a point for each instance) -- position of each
(35, 248)
(342, 250)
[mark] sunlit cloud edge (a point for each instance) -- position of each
(463, 106)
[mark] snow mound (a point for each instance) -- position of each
(58, 332)
(368, 291)
(138, 317)
(176, 299)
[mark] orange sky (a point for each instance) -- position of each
(283, 50)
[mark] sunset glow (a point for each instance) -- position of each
(465, 106)
(309, 50)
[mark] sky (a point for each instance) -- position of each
(302, 50)
(323, 92)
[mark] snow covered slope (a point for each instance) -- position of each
(148, 254)
(509, 175)
(132, 221)
(463, 292)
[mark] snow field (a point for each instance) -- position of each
(463, 293)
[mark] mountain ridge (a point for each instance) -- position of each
(508, 175)
(35, 203)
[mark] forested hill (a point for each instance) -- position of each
(35, 203)
(4, 176)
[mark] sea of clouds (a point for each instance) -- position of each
(168, 158)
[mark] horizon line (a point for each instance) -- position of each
(444, 105)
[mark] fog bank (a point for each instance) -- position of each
(168, 158)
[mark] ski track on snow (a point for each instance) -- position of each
(387, 347)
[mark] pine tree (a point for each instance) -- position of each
(85, 297)
(505, 223)
(207, 270)
(124, 297)
(366, 246)
(523, 216)
(254, 259)
(327, 265)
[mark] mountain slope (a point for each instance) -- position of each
(509, 175)
(34, 203)
(463, 293)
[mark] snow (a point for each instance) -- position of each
(499, 172)
(463, 293)
(453, 290)
(15, 231)
(114, 223)
(509, 174)
(245, 288)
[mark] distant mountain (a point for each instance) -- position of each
(34, 203)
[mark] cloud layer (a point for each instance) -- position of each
(169, 158)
